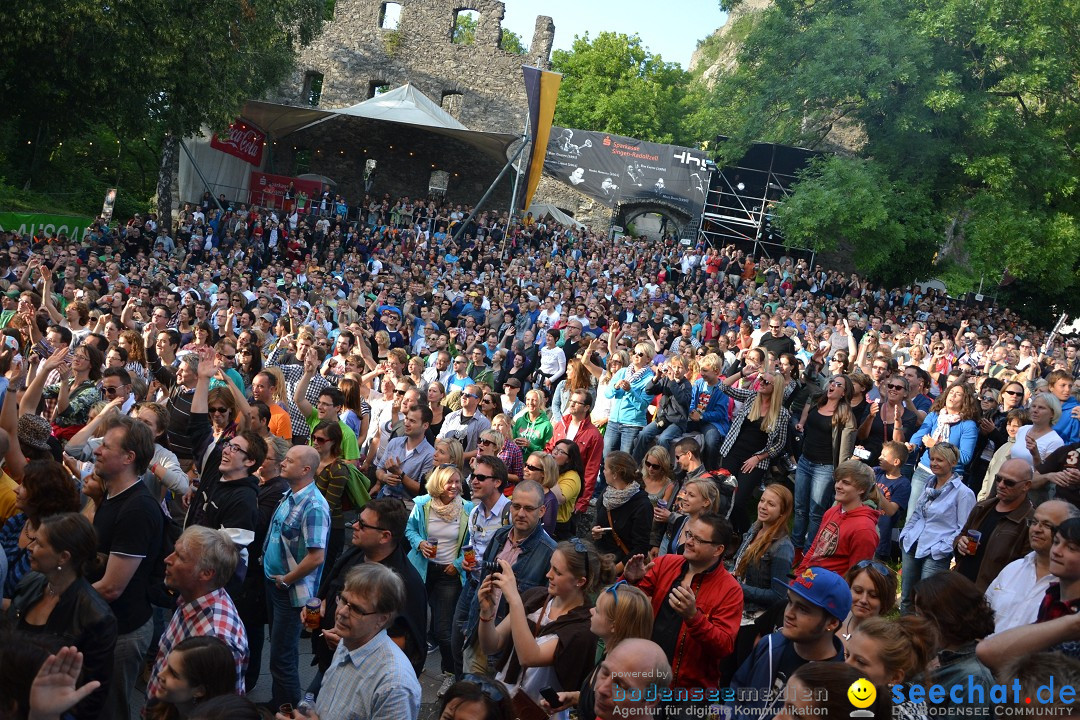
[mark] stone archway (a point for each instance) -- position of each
(652, 218)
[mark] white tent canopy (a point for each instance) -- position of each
(540, 210)
(404, 105)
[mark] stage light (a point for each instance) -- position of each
(740, 187)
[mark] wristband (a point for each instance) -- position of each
(487, 619)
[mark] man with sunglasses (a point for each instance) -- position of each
(466, 424)
(697, 604)
(116, 383)
(1002, 522)
(490, 513)
(377, 537)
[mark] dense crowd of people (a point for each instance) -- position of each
(599, 477)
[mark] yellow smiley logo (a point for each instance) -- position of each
(862, 693)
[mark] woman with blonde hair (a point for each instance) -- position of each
(542, 468)
(893, 651)
(658, 476)
(532, 428)
(616, 361)
(438, 529)
(696, 498)
(938, 513)
(493, 442)
(758, 434)
(627, 391)
(622, 612)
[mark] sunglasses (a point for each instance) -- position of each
(471, 395)
(614, 590)
(896, 387)
(485, 442)
(486, 686)
(320, 440)
(1016, 393)
(652, 465)
(534, 468)
(580, 547)
(879, 566)
(218, 410)
(1006, 481)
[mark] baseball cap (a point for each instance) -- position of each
(822, 588)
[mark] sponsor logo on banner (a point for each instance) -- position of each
(242, 141)
(614, 169)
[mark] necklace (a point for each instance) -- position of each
(847, 626)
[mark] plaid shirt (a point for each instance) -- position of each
(212, 614)
(292, 375)
(301, 522)
(777, 438)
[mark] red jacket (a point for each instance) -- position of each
(844, 539)
(591, 445)
(707, 640)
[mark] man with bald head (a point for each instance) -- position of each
(1017, 591)
(999, 524)
(621, 685)
(292, 561)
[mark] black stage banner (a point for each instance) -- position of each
(614, 169)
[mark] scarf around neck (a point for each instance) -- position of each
(617, 498)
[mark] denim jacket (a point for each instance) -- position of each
(530, 569)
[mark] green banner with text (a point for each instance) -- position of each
(33, 223)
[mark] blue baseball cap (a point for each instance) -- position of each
(822, 588)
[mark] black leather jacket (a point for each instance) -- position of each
(81, 618)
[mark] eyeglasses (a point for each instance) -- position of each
(999, 478)
(614, 590)
(1016, 393)
(639, 354)
(489, 688)
(879, 566)
(218, 410)
(775, 327)
(989, 398)
(358, 523)
(482, 477)
(227, 357)
(579, 546)
(534, 468)
(471, 395)
(1045, 524)
(765, 382)
(895, 387)
(691, 537)
(353, 608)
(652, 465)
(319, 440)
(233, 447)
(110, 389)
(484, 441)
(400, 392)
(518, 507)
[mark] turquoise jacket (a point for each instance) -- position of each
(417, 528)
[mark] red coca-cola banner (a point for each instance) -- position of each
(269, 190)
(242, 141)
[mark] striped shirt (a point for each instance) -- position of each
(373, 682)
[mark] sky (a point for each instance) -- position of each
(669, 28)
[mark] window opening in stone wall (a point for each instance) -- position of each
(389, 15)
(463, 31)
(452, 103)
(301, 162)
(440, 180)
(313, 83)
(377, 88)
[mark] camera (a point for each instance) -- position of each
(487, 567)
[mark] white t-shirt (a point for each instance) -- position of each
(1047, 444)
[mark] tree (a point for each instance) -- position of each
(128, 65)
(967, 122)
(465, 25)
(511, 42)
(614, 84)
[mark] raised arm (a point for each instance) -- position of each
(311, 366)
(32, 396)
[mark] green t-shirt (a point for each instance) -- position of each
(536, 432)
(350, 450)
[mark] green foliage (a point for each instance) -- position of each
(614, 84)
(970, 119)
(132, 69)
(392, 40)
(511, 42)
(465, 25)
